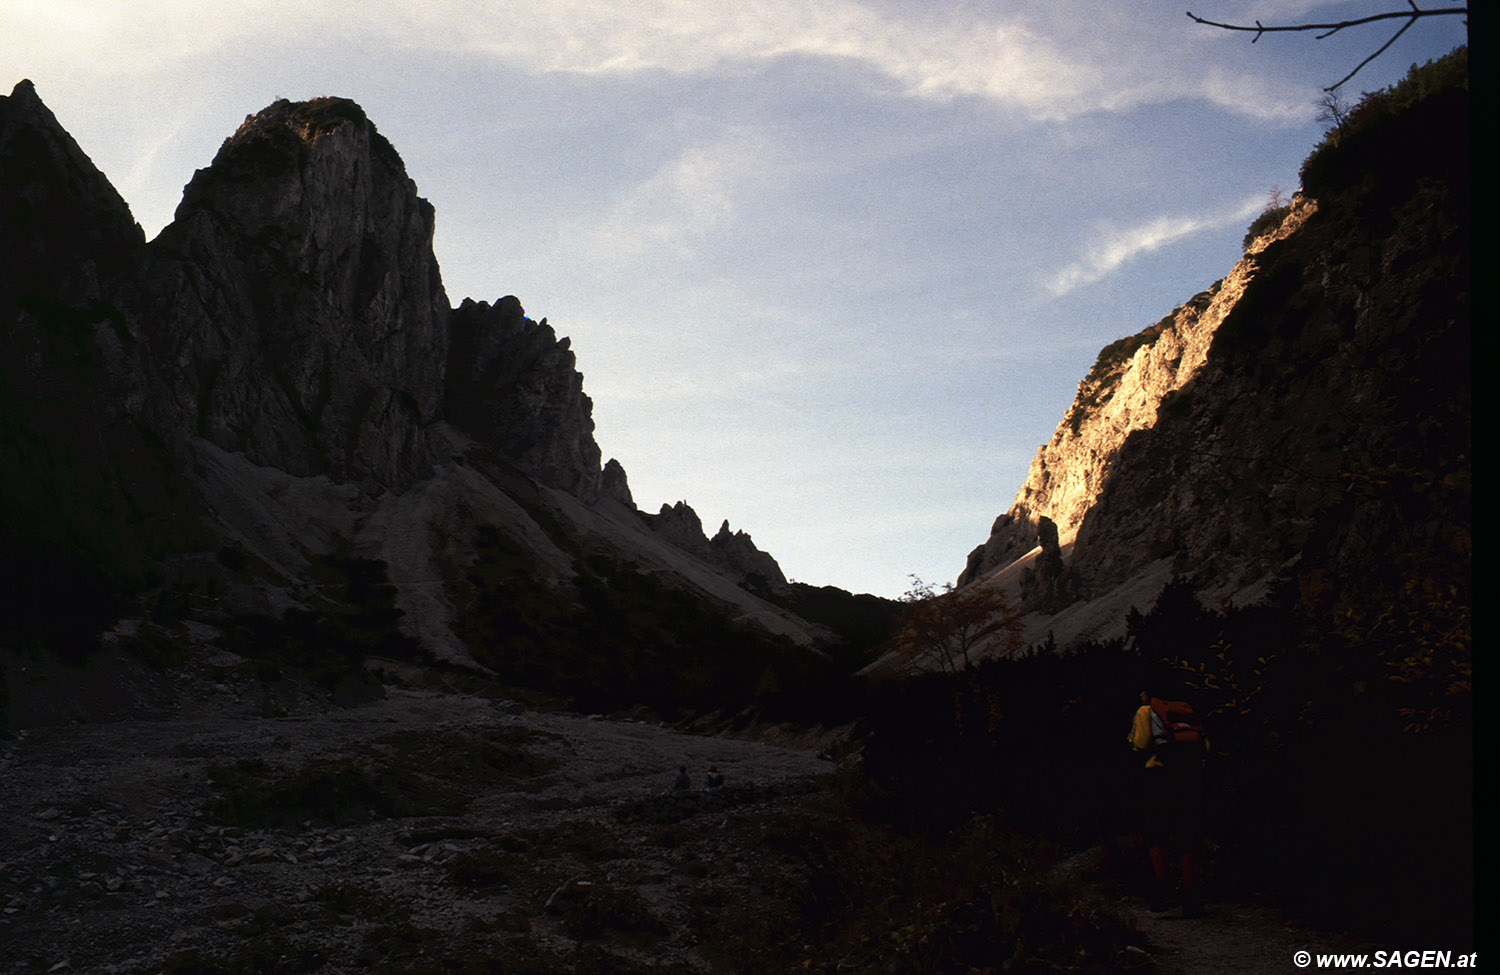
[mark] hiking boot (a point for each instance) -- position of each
(1163, 895)
(1192, 903)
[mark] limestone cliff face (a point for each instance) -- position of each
(1120, 395)
(1334, 399)
(1306, 419)
(277, 385)
(294, 308)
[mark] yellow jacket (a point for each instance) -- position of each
(1140, 734)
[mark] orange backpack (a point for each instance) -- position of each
(1181, 722)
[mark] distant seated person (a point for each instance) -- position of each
(715, 777)
(683, 783)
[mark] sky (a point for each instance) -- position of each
(832, 269)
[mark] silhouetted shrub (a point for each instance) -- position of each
(977, 898)
(862, 621)
(1269, 219)
(356, 619)
(1382, 137)
(1322, 790)
(618, 638)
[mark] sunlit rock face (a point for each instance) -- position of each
(294, 305)
(1121, 395)
(1332, 411)
(1305, 419)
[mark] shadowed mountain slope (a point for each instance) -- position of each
(245, 417)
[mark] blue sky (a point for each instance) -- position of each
(832, 270)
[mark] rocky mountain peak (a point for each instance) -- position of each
(732, 552)
(275, 391)
(320, 138)
(679, 524)
(614, 484)
(297, 300)
(736, 551)
(308, 120)
(65, 224)
(86, 499)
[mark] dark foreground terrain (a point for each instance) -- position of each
(449, 831)
(253, 829)
(430, 831)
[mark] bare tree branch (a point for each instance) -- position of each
(1409, 16)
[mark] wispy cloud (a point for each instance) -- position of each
(134, 38)
(1115, 246)
(1044, 69)
(687, 198)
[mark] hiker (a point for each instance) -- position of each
(683, 783)
(715, 778)
(1172, 786)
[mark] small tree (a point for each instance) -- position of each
(1334, 110)
(947, 629)
(1277, 207)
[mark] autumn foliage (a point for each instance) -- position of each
(950, 630)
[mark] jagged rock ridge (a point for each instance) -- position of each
(279, 375)
(734, 553)
(513, 379)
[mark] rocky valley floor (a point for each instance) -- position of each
(438, 830)
(429, 831)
